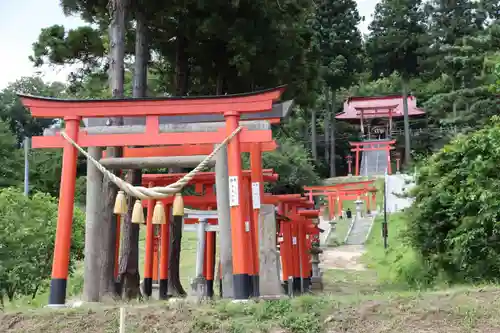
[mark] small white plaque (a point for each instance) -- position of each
(234, 196)
(247, 226)
(294, 240)
(256, 195)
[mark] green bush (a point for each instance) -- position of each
(27, 235)
(454, 222)
(399, 263)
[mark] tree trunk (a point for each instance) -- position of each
(327, 129)
(181, 61)
(333, 154)
(406, 121)
(181, 88)
(314, 144)
(174, 283)
(117, 13)
(128, 276)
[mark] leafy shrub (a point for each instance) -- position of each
(454, 223)
(398, 264)
(292, 162)
(27, 235)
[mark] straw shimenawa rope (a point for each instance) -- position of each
(141, 192)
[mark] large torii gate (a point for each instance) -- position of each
(149, 122)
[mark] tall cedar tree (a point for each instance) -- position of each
(396, 37)
(448, 23)
(341, 58)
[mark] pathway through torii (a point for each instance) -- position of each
(348, 257)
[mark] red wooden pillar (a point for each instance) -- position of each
(240, 262)
(303, 255)
(331, 207)
(156, 257)
(388, 152)
(249, 234)
(339, 206)
(148, 257)
(65, 216)
(285, 246)
(210, 263)
(356, 170)
(164, 252)
(295, 255)
(349, 164)
(257, 187)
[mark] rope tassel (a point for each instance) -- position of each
(178, 205)
(138, 213)
(120, 204)
(159, 214)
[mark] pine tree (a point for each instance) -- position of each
(394, 44)
(341, 51)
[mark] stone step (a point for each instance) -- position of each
(359, 231)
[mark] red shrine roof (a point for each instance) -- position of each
(378, 106)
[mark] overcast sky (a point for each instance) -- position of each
(22, 20)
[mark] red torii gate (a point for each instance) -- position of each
(343, 191)
(231, 107)
(203, 182)
(386, 145)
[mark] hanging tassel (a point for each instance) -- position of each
(138, 213)
(178, 205)
(120, 204)
(159, 214)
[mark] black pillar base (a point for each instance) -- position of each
(250, 285)
(254, 282)
(241, 286)
(306, 284)
(210, 288)
(57, 292)
(284, 285)
(221, 292)
(163, 294)
(148, 286)
(297, 283)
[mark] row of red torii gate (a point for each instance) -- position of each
(182, 132)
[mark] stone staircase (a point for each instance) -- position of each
(373, 163)
(359, 232)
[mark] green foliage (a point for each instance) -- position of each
(339, 41)
(399, 264)
(28, 227)
(396, 37)
(13, 113)
(454, 224)
(293, 163)
(10, 158)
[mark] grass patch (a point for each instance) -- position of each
(451, 310)
(399, 263)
